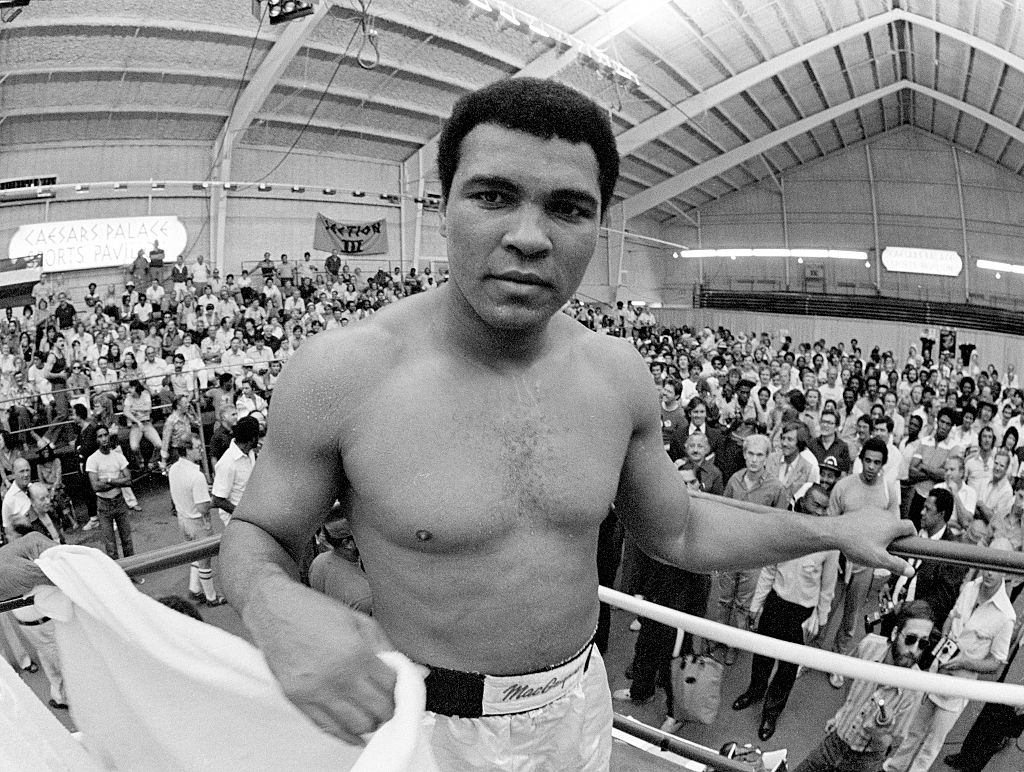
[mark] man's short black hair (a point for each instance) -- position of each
(246, 430)
(943, 501)
(542, 108)
(886, 421)
(915, 609)
(80, 411)
(876, 445)
(797, 400)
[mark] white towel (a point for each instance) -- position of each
(152, 689)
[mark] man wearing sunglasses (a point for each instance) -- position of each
(981, 625)
(875, 717)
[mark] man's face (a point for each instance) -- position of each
(22, 473)
(520, 236)
(930, 517)
(953, 472)
(881, 431)
(999, 464)
(754, 456)
(690, 479)
(698, 415)
(827, 425)
(150, 354)
(815, 503)
(42, 501)
(787, 443)
(872, 464)
(863, 431)
(942, 426)
(697, 449)
(829, 477)
(230, 417)
(103, 438)
(910, 641)
(668, 393)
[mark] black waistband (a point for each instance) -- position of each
(461, 693)
(34, 622)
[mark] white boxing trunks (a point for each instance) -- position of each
(559, 718)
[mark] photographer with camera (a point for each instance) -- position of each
(875, 717)
(976, 640)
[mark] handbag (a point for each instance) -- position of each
(697, 689)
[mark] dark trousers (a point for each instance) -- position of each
(111, 511)
(994, 723)
(781, 620)
(609, 552)
(652, 657)
(84, 490)
(834, 755)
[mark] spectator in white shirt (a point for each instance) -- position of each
(155, 293)
(791, 599)
(234, 467)
(882, 428)
(965, 498)
(995, 497)
(153, 369)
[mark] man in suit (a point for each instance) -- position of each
(788, 465)
(696, 423)
(937, 583)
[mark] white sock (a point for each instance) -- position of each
(193, 579)
(206, 579)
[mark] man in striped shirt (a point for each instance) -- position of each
(875, 717)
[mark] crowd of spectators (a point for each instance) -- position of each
(171, 351)
(827, 428)
(177, 352)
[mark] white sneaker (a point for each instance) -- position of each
(800, 671)
(670, 725)
(621, 694)
(836, 680)
(93, 523)
(634, 626)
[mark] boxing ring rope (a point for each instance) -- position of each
(818, 659)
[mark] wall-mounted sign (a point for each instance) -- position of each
(935, 262)
(77, 245)
(350, 238)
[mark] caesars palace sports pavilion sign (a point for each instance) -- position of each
(76, 245)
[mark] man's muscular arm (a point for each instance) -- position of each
(323, 653)
(703, 533)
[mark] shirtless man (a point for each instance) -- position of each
(481, 553)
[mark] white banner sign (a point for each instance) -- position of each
(77, 245)
(935, 262)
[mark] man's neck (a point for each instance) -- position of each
(827, 441)
(470, 335)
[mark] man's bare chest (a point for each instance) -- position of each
(471, 459)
